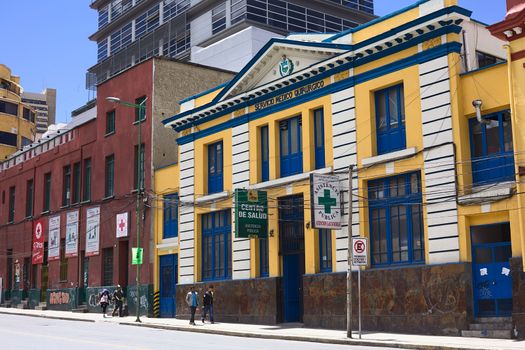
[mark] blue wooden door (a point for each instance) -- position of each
(291, 233)
(168, 284)
(492, 279)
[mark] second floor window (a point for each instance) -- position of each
(215, 168)
(29, 198)
(319, 138)
(218, 18)
(171, 215)
(491, 148)
(390, 119)
(110, 122)
(291, 146)
(265, 153)
(86, 193)
(140, 111)
(47, 192)
(110, 176)
(66, 190)
(12, 194)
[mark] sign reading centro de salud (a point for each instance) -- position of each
(303, 90)
(326, 201)
(251, 214)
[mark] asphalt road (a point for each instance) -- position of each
(27, 333)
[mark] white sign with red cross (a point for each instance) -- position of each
(122, 225)
(359, 251)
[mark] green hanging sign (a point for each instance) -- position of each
(136, 256)
(251, 214)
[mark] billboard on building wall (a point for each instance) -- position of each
(251, 214)
(92, 231)
(38, 242)
(53, 248)
(325, 201)
(72, 234)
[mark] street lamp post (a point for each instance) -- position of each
(141, 107)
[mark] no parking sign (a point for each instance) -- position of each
(359, 251)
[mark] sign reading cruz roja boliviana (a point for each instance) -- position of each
(326, 201)
(251, 214)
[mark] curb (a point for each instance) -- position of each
(45, 316)
(296, 338)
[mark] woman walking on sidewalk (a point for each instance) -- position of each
(104, 300)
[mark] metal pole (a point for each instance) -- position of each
(139, 148)
(359, 297)
(349, 258)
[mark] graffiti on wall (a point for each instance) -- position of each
(59, 298)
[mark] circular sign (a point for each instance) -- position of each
(38, 230)
(359, 246)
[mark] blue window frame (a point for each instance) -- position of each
(396, 220)
(263, 258)
(291, 146)
(319, 138)
(325, 250)
(390, 119)
(491, 148)
(216, 246)
(215, 169)
(171, 216)
(265, 153)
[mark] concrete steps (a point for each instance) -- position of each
(490, 327)
(7, 304)
(24, 304)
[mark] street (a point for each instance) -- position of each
(26, 333)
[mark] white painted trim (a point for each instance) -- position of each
(171, 243)
(289, 179)
(488, 193)
(389, 157)
(211, 197)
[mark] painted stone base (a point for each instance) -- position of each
(64, 299)
(417, 299)
(244, 301)
(518, 296)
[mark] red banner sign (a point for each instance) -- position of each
(38, 242)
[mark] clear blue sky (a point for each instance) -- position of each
(46, 42)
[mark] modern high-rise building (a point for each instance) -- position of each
(225, 34)
(17, 119)
(44, 104)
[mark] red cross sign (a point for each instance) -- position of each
(122, 225)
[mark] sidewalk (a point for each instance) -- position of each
(405, 341)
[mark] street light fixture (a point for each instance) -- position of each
(141, 108)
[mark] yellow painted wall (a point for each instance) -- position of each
(166, 182)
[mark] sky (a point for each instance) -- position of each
(46, 43)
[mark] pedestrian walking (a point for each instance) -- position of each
(118, 298)
(207, 304)
(192, 300)
(104, 300)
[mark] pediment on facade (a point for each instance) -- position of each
(279, 60)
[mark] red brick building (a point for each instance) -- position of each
(76, 181)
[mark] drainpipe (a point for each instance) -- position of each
(477, 106)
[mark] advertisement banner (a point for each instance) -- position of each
(72, 234)
(251, 214)
(92, 231)
(122, 225)
(38, 242)
(53, 251)
(326, 201)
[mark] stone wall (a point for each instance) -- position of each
(417, 299)
(64, 299)
(246, 301)
(518, 296)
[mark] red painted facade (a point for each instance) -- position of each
(86, 141)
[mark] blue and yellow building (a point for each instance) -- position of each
(424, 105)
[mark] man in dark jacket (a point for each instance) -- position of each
(207, 302)
(118, 297)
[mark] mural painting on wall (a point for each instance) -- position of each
(59, 298)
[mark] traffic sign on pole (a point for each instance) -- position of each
(359, 251)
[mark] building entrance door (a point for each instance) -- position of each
(491, 251)
(168, 283)
(123, 264)
(291, 240)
